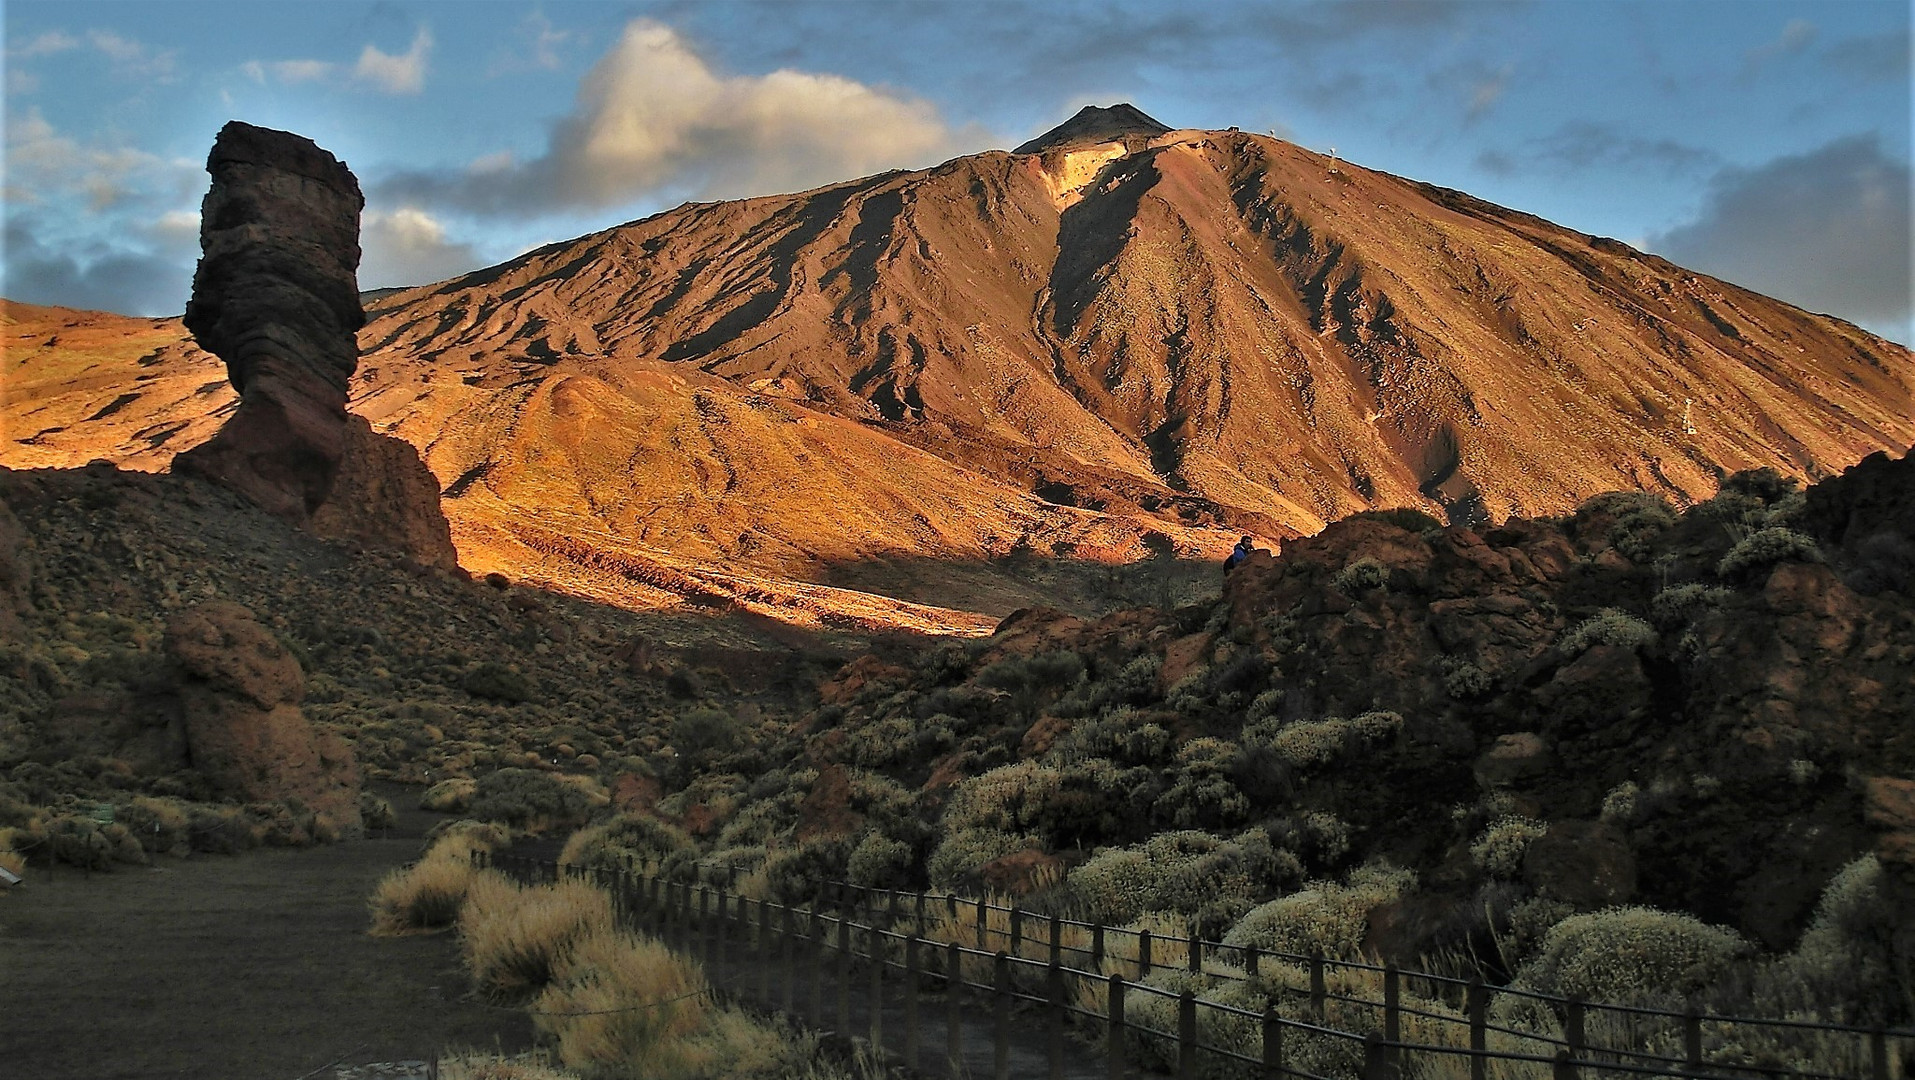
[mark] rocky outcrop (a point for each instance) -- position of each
(239, 693)
(276, 296)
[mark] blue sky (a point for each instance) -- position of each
(1763, 142)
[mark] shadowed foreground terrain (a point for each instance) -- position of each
(227, 968)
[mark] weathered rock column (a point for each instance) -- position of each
(276, 296)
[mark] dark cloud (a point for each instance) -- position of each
(1581, 145)
(125, 280)
(1827, 230)
(1794, 39)
(1873, 58)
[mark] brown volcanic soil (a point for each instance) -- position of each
(1190, 332)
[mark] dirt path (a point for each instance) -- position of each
(255, 967)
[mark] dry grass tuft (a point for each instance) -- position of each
(427, 895)
(515, 938)
(617, 997)
(481, 1065)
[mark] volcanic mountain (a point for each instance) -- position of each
(1117, 329)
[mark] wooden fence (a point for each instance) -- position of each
(1119, 989)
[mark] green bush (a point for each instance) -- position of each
(1610, 626)
(1681, 605)
(963, 851)
(1324, 917)
(638, 842)
(528, 799)
(1631, 955)
(1498, 851)
(702, 735)
(1312, 744)
(879, 862)
(1201, 793)
(1185, 872)
(1766, 547)
(1846, 966)
(1361, 576)
(1465, 681)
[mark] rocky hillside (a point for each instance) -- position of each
(895, 382)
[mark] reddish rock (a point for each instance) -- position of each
(238, 693)
(636, 793)
(826, 809)
(1040, 736)
(276, 296)
(1585, 863)
(854, 677)
(1183, 656)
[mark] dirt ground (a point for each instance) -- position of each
(250, 967)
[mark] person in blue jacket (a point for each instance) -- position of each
(1238, 554)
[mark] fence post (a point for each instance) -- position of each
(983, 927)
(1316, 983)
(1250, 961)
(1195, 951)
(1143, 955)
(953, 993)
(1096, 946)
(1055, 986)
(844, 973)
(875, 944)
(705, 925)
(721, 931)
(1478, 1027)
(920, 913)
(790, 936)
(816, 940)
(1114, 1033)
(1692, 1037)
(1565, 1067)
(1001, 1007)
(767, 954)
(1017, 929)
(950, 907)
(1392, 1014)
(1878, 1053)
(1187, 1036)
(1573, 1026)
(1376, 1059)
(1272, 1043)
(911, 999)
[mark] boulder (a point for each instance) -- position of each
(1585, 863)
(1514, 758)
(276, 296)
(1888, 806)
(239, 691)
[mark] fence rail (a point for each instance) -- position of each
(1119, 989)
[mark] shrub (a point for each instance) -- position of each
(1498, 850)
(1409, 519)
(879, 862)
(1638, 517)
(962, 852)
(638, 842)
(428, 895)
(452, 796)
(1361, 576)
(1464, 681)
(616, 998)
(1030, 679)
(1324, 917)
(1620, 804)
(1311, 744)
(515, 937)
(1610, 626)
(375, 812)
(1845, 966)
(528, 799)
(1764, 548)
(1629, 955)
(1183, 872)
(497, 682)
(1201, 792)
(1680, 605)
(702, 735)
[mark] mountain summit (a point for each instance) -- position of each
(1097, 125)
(895, 382)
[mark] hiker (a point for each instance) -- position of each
(1238, 554)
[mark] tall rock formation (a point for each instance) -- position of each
(276, 296)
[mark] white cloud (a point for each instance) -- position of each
(43, 164)
(1827, 230)
(45, 44)
(402, 74)
(408, 246)
(132, 57)
(652, 116)
(1796, 36)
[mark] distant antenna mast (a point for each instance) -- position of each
(1333, 160)
(1688, 427)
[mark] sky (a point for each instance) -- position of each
(1765, 143)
